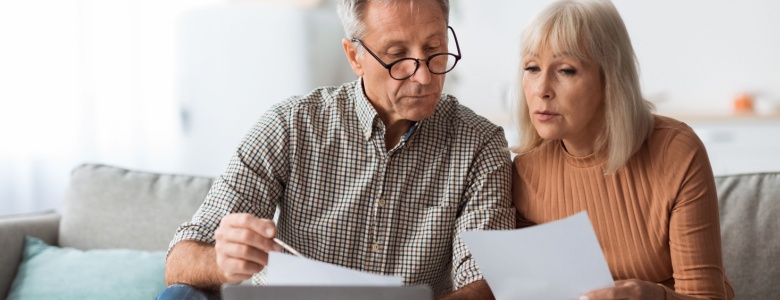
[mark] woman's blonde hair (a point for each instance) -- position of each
(592, 31)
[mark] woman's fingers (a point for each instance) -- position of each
(628, 290)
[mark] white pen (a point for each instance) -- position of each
(288, 248)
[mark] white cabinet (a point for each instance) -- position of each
(735, 144)
(740, 144)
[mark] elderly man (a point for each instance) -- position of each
(378, 175)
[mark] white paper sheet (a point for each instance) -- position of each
(286, 269)
(557, 260)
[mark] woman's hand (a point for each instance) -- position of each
(628, 289)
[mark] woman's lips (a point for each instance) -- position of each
(545, 115)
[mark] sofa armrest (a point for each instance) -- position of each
(12, 231)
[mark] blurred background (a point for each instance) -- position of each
(172, 85)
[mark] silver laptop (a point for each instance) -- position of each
(241, 292)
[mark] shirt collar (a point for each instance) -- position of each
(366, 113)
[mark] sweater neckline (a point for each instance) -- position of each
(590, 160)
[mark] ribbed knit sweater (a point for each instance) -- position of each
(656, 218)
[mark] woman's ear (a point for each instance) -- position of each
(352, 56)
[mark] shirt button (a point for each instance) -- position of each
(381, 202)
(387, 159)
(375, 247)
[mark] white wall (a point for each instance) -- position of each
(699, 54)
(107, 80)
(83, 81)
(694, 55)
(234, 62)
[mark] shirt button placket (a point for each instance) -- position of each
(373, 247)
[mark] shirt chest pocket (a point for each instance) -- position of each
(434, 210)
(436, 225)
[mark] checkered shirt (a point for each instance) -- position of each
(344, 199)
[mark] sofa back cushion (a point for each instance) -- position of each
(750, 223)
(110, 207)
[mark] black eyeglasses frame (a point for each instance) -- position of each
(416, 60)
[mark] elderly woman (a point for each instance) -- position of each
(590, 142)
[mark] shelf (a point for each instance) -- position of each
(725, 117)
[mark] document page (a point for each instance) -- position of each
(557, 260)
(286, 269)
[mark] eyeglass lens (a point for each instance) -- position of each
(437, 64)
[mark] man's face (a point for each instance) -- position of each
(396, 31)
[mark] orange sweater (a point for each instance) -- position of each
(656, 218)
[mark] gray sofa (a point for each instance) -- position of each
(109, 207)
(106, 207)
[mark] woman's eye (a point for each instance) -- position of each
(568, 72)
(532, 69)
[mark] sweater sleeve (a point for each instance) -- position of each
(694, 227)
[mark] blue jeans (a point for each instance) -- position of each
(183, 291)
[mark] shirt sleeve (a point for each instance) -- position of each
(694, 227)
(486, 204)
(253, 182)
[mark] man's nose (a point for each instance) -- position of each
(422, 75)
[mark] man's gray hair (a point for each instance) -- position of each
(352, 13)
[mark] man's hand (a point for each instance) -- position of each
(628, 289)
(476, 290)
(242, 245)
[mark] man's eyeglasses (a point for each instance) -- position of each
(405, 68)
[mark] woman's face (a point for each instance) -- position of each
(565, 99)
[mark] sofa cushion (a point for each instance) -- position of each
(12, 232)
(50, 272)
(750, 222)
(110, 207)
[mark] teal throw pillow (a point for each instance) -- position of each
(50, 272)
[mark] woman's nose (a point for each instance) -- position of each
(543, 87)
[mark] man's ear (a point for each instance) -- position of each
(352, 56)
